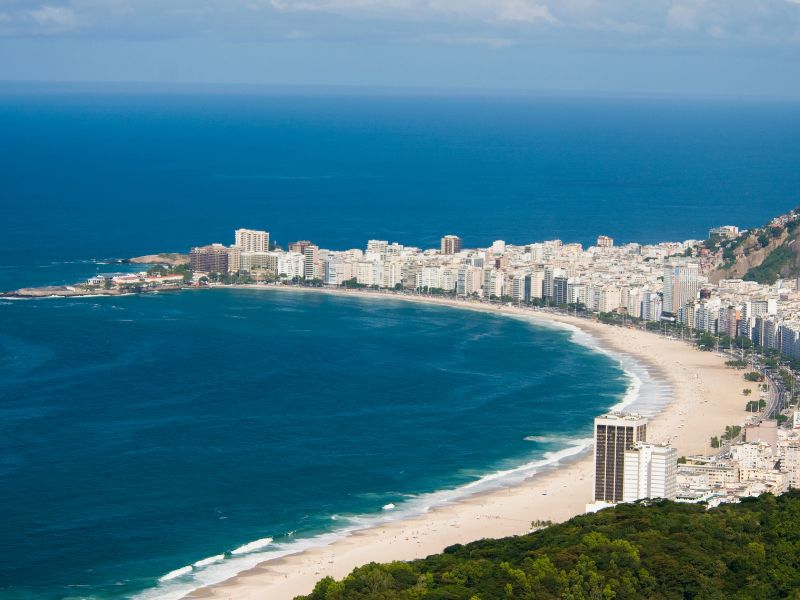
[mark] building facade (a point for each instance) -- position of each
(451, 244)
(209, 259)
(614, 433)
(650, 471)
(252, 240)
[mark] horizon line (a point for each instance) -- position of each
(14, 87)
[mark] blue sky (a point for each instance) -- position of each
(707, 47)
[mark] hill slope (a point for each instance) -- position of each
(667, 550)
(763, 255)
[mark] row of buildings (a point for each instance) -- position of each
(666, 281)
(550, 271)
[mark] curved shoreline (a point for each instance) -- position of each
(294, 570)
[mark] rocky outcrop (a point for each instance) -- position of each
(173, 259)
(62, 291)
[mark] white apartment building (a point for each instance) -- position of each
(470, 280)
(392, 274)
(291, 264)
(650, 471)
(681, 284)
(378, 247)
(337, 272)
(537, 284)
(252, 240)
(752, 457)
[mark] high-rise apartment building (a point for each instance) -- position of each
(311, 269)
(614, 434)
(234, 259)
(209, 259)
(650, 471)
(377, 247)
(469, 280)
(299, 247)
(681, 284)
(603, 241)
(451, 244)
(251, 240)
(549, 282)
(536, 284)
(560, 292)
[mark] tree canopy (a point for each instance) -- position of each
(663, 550)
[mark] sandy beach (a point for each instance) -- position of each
(706, 396)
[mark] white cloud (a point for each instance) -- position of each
(524, 12)
(53, 17)
(681, 17)
(509, 11)
(577, 22)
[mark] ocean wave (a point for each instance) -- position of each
(252, 546)
(176, 573)
(208, 561)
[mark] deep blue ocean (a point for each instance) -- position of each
(139, 435)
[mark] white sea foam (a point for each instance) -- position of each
(208, 561)
(252, 546)
(390, 506)
(176, 573)
(543, 439)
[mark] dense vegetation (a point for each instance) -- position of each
(666, 550)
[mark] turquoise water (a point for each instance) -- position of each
(142, 434)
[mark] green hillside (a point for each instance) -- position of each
(667, 550)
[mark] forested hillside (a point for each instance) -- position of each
(666, 550)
